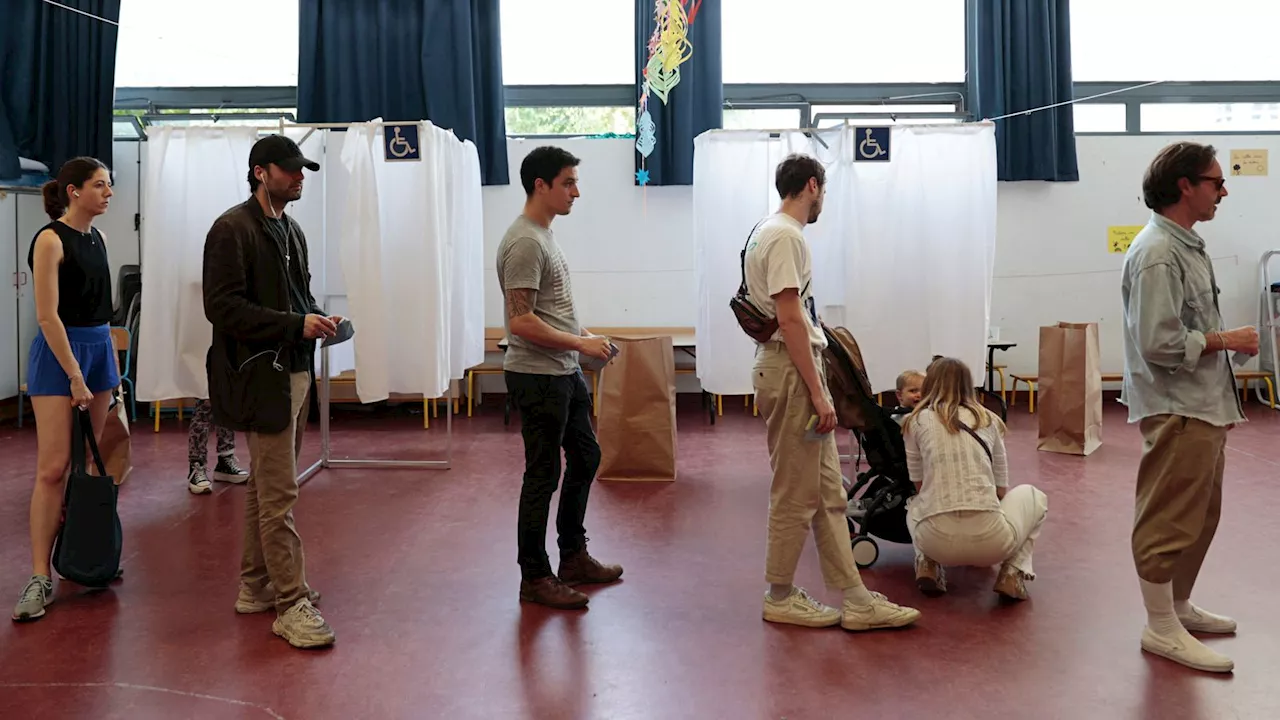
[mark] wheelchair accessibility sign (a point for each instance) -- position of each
(872, 144)
(400, 142)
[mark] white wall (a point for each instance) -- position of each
(632, 257)
(630, 250)
(1052, 262)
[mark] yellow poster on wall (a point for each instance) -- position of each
(1249, 163)
(1120, 236)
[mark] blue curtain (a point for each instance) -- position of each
(1019, 59)
(694, 106)
(438, 60)
(57, 82)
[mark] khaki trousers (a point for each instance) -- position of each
(981, 538)
(807, 492)
(1179, 499)
(272, 547)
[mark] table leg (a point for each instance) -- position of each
(991, 364)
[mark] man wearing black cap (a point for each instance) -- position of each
(265, 323)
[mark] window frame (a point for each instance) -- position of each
(1133, 98)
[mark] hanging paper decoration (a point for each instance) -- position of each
(642, 177)
(659, 80)
(645, 134)
(669, 48)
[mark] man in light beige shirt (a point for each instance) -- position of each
(807, 491)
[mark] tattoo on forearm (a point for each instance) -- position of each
(519, 302)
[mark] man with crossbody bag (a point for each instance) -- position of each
(807, 494)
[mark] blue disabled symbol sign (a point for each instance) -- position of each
(400, 142)
(872, 144)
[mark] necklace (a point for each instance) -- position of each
(87, 235)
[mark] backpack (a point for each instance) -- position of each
(88, 547)
(847, 379)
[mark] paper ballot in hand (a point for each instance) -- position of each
(592, 364)
(811, 430)
(345, 331)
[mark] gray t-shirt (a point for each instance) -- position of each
(530, 258)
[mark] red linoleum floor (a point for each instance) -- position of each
(420, 582)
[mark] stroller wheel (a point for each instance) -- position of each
(865, 551)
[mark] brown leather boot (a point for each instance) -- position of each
(579, 568)
(1011, 584)
(931, 578)
(551, 592)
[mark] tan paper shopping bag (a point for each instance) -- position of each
(1069, 404)
(637, 426)
(117, 445)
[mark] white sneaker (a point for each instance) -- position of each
(303, 626)
(800, 608)
(879, 614)
(198, 481)
(1203, 621)
(1185, 649)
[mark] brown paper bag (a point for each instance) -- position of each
(1070, 389)
(116, 446)
(637, 426)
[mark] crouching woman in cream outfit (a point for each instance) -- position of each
(964, 513)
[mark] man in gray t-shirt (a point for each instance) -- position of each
(530, 259)
(546, 385)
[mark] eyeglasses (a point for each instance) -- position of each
(1218, 182)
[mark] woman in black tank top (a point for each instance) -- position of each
(72, 362)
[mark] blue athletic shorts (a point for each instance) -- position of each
(92, 348)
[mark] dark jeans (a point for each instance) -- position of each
(555, 414)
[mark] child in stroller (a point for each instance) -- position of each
(878, 498)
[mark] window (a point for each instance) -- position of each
(1204, 117)
(1173, 40)
(843, 41)
(884, 114)
(233, 43)
(125, 128)
(570, 120)
(568, 42)
(1100, 117)
(762, 119)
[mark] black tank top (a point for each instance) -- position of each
(84, 277)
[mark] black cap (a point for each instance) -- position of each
(282, 151)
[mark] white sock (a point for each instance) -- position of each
(1161, 616)
(858, 595)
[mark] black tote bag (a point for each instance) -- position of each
(87, 550)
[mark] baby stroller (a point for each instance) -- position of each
(881, 510)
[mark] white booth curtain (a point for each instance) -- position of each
(193, 175)
(397, 247)
(903, 254)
